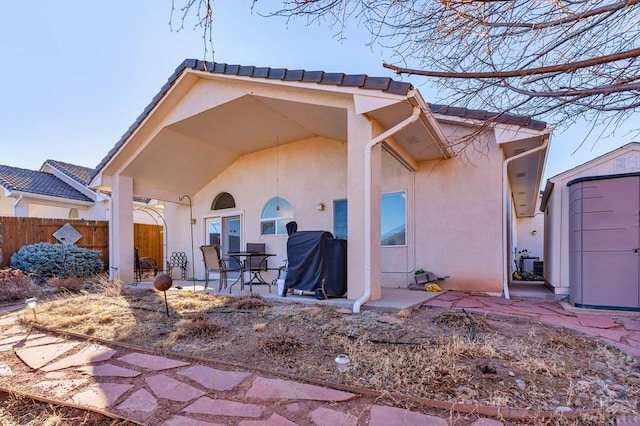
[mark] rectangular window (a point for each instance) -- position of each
(393, 219)
(340, 219)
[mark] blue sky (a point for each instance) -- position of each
(76, 74)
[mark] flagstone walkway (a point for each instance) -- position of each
(159, 390)
(618, 328)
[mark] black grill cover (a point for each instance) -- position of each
(313, 256)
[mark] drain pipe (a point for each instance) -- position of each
(15, 205)
(367, 203)
(505, 201)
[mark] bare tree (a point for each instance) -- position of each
(555, 60)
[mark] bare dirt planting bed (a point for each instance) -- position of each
(429, 353)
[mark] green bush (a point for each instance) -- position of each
(46, 260)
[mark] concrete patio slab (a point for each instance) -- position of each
(285, 389)
(223, 407)
(214, 379)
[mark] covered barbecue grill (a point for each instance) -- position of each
(317, 262)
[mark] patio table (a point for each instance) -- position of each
(244, 260)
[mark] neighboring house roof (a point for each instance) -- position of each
(362, 81)
(38, 183)
(78, 173)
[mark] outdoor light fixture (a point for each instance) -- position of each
(31, 304)
(320, 206)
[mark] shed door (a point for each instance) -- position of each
(610, 237)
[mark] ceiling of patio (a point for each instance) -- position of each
(185, 156)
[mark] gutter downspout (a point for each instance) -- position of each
(505, 199)
(15, 205)
(367, 202)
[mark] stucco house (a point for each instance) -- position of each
(59, 190)
(591, 231)
(236, 152)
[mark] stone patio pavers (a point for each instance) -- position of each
(168, 388)
(323, 416)
(129, 392)
(274, 420)
(100, 395)
(285, 389)
(92, 353)
(16, 329)
(597, 321)
(387, 416)
(151, 362)
(61, 388)
(19, 337)
(469, 303)
(214, 379)
(186, 421)
(222, 407)
(108, 370)
(631, 324)
(141, 401)
(38, 341)
(8, 320)
(38, 356)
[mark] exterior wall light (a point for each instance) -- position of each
(320, 206)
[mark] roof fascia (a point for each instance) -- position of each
(48, 198)
(303, 85)
(430, 123)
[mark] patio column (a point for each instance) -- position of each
(121, 257)
(360, 132)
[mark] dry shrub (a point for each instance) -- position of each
(249, 302)
(72, 284)
(281, 342)
(262, 326)
(15, 285)
(200, 327)
(404, 313)
(107, 287)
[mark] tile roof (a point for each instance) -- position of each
(362, 81)
(38, 183)
(496, 117)
(78, 173)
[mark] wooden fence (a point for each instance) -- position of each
(21, 231)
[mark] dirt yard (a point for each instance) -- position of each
(428, 353)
